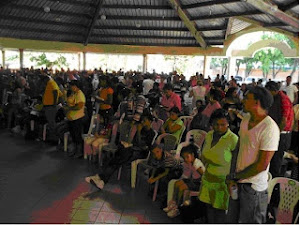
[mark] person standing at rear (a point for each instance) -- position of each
(291, 90)
(259, 139)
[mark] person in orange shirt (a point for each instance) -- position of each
(105, 99)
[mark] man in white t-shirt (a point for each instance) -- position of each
(291, 90)
(259, 139)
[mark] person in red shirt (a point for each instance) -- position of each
(282, 113)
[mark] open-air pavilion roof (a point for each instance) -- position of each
(177, 23)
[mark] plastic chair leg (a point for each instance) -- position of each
(66, 135)
(119, 172)
(44, 132)
(155, 191)
(133, 173)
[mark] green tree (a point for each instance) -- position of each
(42, 60)
(219, 62)
(270, 59)
(249, 62)
(179, 62)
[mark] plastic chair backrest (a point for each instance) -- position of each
(186, 121)
(289, 196)
(156, 125)
(180, 136)
(94, 124)
(155, 136)
(179, 147)
(170, 142)
(198, 137)
(127, 131)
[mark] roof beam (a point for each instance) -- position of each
(273, 10)
(157, 28)
(229, 23)
(203, 4)
(92, 24)
(260, 24)
(188, 23)
(228, 15)
(154, 37)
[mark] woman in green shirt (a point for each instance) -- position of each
(216, 156)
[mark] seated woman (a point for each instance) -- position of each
(193, 168)
(173, 125)
(216, 156)
(126, 153)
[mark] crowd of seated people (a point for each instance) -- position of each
(128, 104)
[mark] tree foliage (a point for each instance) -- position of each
(179, 62)
(42, 60)
(219, 62)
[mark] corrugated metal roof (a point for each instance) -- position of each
(148, 22)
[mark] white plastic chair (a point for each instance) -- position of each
(186, 121)
(157, 124)
(94, 126)
(198, 137)
(289, 196)
(135, 163)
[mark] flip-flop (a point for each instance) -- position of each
(94, 184)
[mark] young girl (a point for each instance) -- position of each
(193, 168)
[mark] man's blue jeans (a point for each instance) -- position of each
(251, 206)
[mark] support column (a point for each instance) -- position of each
(21, 51)
(231, 67)
(206, 65)
(3, 59)
(84, 60)
(145, 64)
(79, 61)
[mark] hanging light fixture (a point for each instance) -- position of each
(103, 17)
(47, 9)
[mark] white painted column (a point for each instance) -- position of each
(206, 69)
(21, 51)
(84, 60)
(145, 63)
(79, 60)
(231, 67)
(3, 59)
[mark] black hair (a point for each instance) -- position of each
(191, 149)
(230, 92)
(272, 86)
(175, 110)
(147, 115)
(219, 114)
(215, 94)
(75, 83)
(168, 87)
(263, 95)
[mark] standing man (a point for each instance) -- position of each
(282, 113)
(75, 114)
(291, 90)
(51, 97)
(259, 138)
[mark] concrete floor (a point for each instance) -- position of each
(38, 184)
